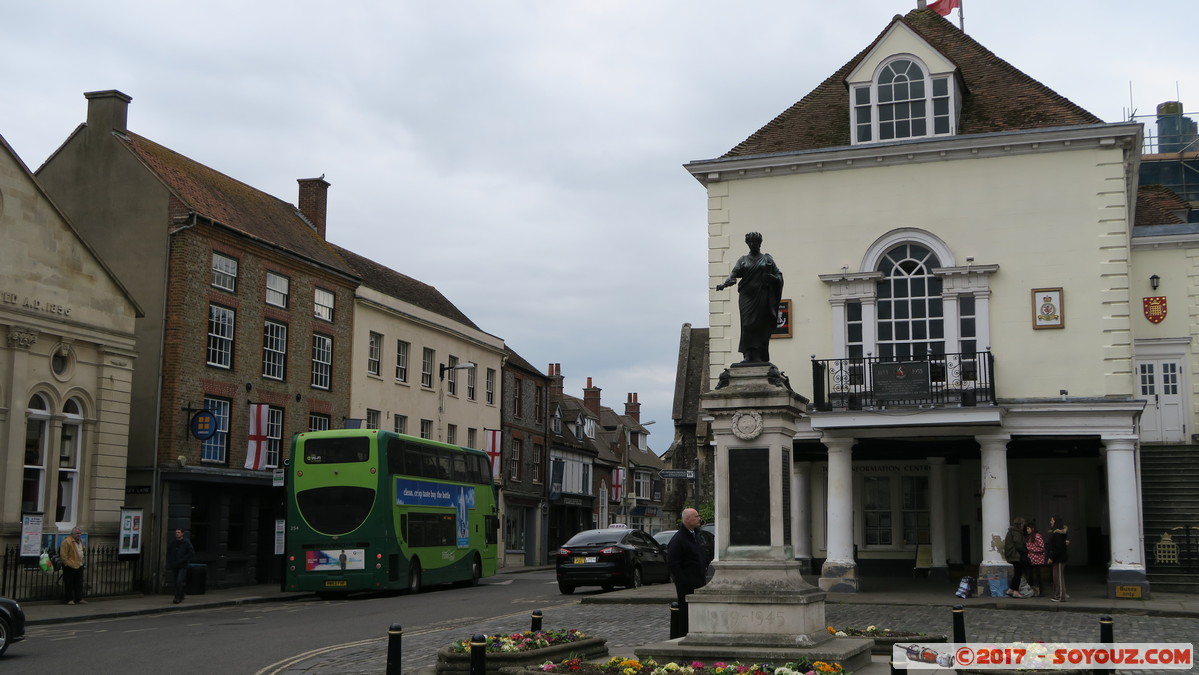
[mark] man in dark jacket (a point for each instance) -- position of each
(179, 554)
(688, 563)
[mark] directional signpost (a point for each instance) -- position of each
(689, 474)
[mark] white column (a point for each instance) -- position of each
(801, 515)
(951, 322)
(1123, 507)
(982, 319)
(869, 319)
(839, 571)
(936, 513)
(994, 503)
(838, 311)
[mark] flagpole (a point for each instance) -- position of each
(961, 16)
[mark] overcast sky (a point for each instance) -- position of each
(526, 157)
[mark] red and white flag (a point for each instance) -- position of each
(493, 450)
(944, 7)
(617, 484)
(256, 451)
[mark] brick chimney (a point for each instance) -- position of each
(591, 397)
(107, 111)
(555, 375)
(632, 408)
(314, 196)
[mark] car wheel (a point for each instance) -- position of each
(636, 577)
(5, 635)
(566, 589)
(414, 581)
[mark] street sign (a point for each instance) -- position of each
(689, 474)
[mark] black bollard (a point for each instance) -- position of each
(959, 624)
(674, 620)
(1106, 630)
(395, 639)
(536, 620)
(478, 655)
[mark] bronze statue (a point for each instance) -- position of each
(760, 291)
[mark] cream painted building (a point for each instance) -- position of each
(66, 364)
(410, 370)
(963, 309)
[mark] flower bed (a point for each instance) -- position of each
(526, 649)
(623, 666)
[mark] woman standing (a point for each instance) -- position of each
(1036, 556)
(1056, 554)
(1015, 553)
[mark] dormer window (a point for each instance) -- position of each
(556, 421)
(903, 101)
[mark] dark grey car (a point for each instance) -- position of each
(12, 623)
(610, 557)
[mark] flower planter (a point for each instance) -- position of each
(450, 661)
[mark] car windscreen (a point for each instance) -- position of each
(594, 537)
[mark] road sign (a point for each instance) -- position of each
(689, 474)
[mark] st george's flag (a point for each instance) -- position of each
(944, 7)
(256, 450)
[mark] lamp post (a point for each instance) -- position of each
(441, 370)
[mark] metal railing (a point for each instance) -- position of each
(107, 573)
(871, 383)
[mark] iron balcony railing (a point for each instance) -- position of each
(873, 383)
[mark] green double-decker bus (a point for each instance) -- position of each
(371, 510)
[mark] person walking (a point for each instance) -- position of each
(179, 555)
(73, 556)
(1057, 555)
(1035, 544)
(688, 562)
(1015, 552)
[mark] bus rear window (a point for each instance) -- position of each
(335, 510)
(337, 450)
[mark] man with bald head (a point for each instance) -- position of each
(688, 563)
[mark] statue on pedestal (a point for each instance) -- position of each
(760, 292)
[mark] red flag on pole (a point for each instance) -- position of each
(256, 451)
(944, 7)
(493, 450)
(617, 484)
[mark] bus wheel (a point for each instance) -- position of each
(414, 584)
(566, 589)
(636, 578)
(476, 571)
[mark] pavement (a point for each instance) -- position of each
(629, 618)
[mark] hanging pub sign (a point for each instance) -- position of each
(901, 380)
(1155, 308)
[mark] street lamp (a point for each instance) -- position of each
(461, 366)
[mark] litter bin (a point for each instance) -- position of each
(197, 579)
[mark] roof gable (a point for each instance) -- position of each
(899, 38)
(999, 97)
(225, 200)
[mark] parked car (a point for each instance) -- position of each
(12, 623)
(706, 538)
(610, 557)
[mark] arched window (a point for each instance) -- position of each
(70, 442)
(903, 101)
(910, 313)
(37, 439)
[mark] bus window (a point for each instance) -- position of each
(460, 474)
(492, 526)
(337, 450)
(443, 465)
(395, 456)
(480, 471)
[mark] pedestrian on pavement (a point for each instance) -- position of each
(73, 556)
(1057, 555)
(1016, 553)
(179, 555)
(688, 563)
(1035, 544)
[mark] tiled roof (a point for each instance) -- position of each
(388, 281)
(1159, 205)
(998, 97)
(230, 202)
(517, 361)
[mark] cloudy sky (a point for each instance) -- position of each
(524, 156)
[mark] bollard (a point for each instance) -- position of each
(959, 624)
(536, 620)
(674, 620)
(395, 638)
(478, 655)
(1106, 630)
